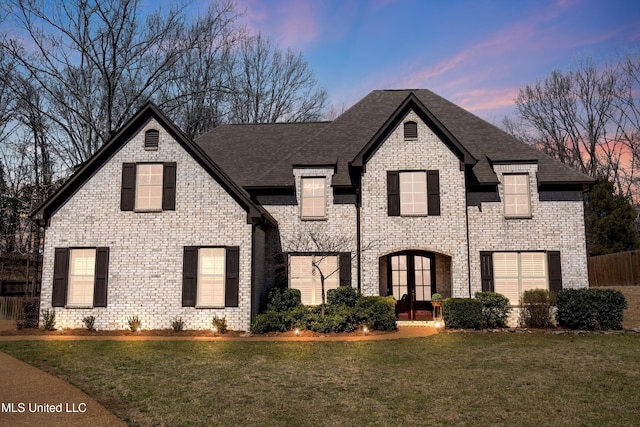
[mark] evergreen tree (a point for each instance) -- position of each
(610, 221)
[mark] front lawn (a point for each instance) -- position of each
(447, 379)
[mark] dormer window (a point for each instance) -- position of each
(313, 198)
(151, 139)
(410, 130)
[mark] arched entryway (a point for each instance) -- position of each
(412, 277)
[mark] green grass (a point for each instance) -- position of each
(448, 379)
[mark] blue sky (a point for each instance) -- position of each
(474, 53)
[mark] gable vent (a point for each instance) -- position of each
(410, 130)
(151, 139)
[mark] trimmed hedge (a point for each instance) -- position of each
(378, 313)
(345, 311)
(345, 295)
(279, 299)
(591, 309)
(495, 309)
(536, 308)
(463, 313)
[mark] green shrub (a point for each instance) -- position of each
(464, 313)
(495, 309)
(300, 317)
(269, 321)
(177, 324)
(135, 324)
(591, 308)
(89, 322)
(49, 319)
(30, 312)
(219, 323)
(345, 295)
(536, 308)
(283, 299)
(377, 313)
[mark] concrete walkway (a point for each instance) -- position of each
(31, 397)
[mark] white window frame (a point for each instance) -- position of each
(146, 182)
(413, 182)
(307, 279)
(314, 198)
(521, 276)
(211, 281)
(514, 196)
(81, 277)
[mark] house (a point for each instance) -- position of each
(424, 197)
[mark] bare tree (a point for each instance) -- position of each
(95, 63)
(273, 86)
(323, 244)
(581, 118)
(197, 98)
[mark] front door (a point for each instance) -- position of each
(412, 281)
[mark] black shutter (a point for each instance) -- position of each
(345, 268)
(60, 277)
(189, 276)
(169, 187)
(433, 193)
(101, 277)
(555, 271)
(393, 193)
(232, 282)
(128, 192)
(486, 271)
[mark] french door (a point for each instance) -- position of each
(412, 282)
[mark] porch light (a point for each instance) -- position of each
(438, 325)
(365, 330)
(297, 332)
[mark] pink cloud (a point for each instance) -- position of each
(291, 24)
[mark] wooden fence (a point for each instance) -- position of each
(11, 308)
(621, 269)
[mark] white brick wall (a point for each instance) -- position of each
(557, 225)
(340, 219)
(146, 249)
(444, 234)
(553, 226)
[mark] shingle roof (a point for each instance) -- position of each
(256, 213)
(263, 155)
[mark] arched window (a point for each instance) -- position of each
(151, 139)
(410, 130)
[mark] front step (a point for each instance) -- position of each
(418, 323)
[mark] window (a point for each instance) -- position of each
(516, 196)
(211, 262)
(516, 272)
(413, 193)
(148, 187)
(80, 277)
(410, 130)
(211, 276)
(82, 268)
(305, 275)
(151, 139)
(313, 198)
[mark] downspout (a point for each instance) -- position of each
(466, 213)
(358, 240)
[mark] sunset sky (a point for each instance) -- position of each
(474, 53)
